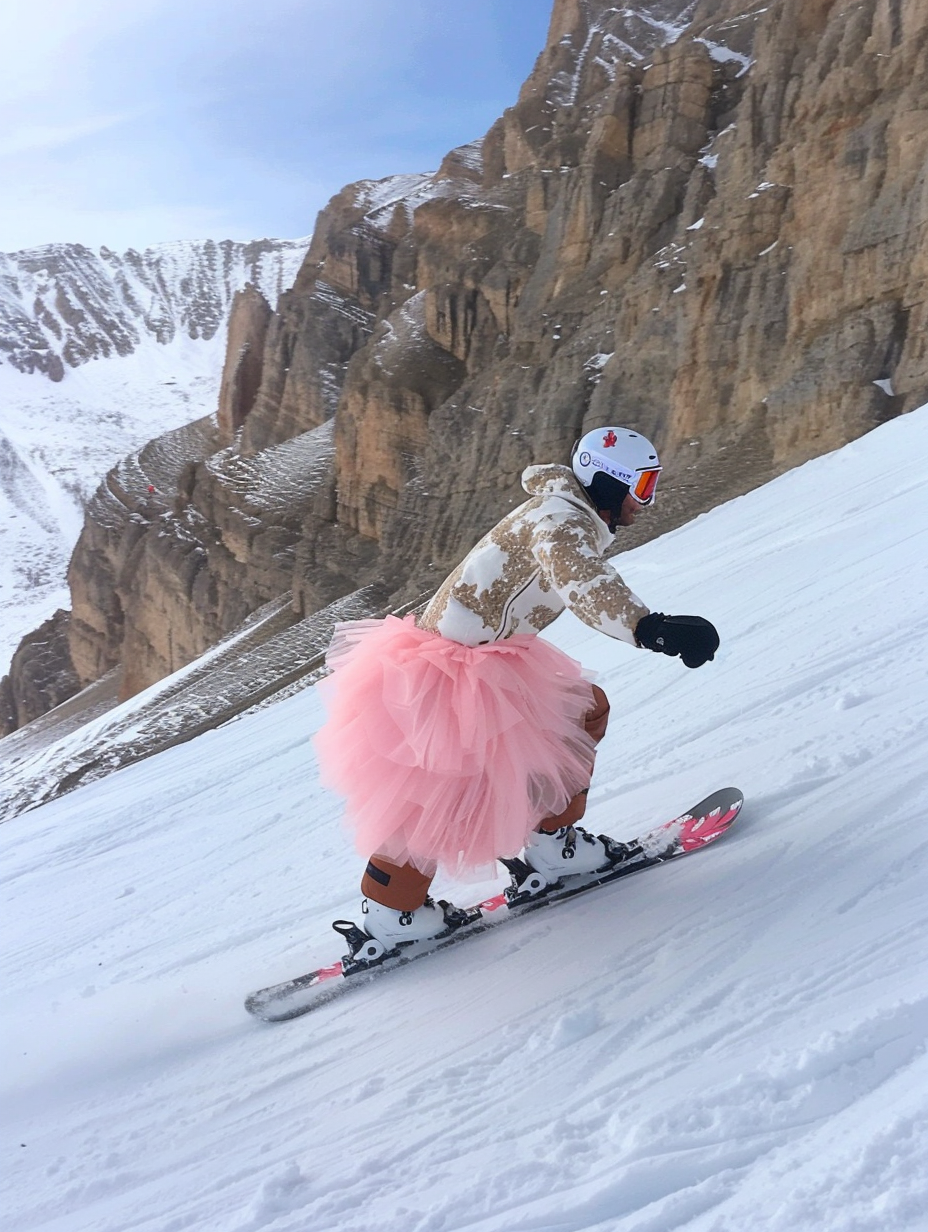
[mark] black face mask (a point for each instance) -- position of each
(609, 494)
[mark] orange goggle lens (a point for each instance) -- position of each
(643, 488)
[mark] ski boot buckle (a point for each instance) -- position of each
(459, 917)
(363, 949)
(526, 883)
(621, 853)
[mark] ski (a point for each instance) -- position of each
(691, 831)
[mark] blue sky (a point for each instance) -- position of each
(131, 122)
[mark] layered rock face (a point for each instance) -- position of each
(41, 675)
(707, 221)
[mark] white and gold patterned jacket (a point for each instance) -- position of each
(545, 556)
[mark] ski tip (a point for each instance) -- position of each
(724, 797)
(710, 819)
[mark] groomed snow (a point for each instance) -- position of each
(733, 1042)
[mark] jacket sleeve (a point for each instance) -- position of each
(566, 546)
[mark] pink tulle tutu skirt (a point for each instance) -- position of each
(450, 755)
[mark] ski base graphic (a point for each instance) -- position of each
(691, 831)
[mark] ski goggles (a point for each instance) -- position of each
(643, 485)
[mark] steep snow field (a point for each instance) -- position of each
(58, 441)
(733, 1042)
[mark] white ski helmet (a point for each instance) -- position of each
(617, 454)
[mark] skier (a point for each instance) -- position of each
(462, 736)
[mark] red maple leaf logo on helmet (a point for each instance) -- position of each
(610, 439)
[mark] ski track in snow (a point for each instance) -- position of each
(733, 1042)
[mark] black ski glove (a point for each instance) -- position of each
(692, 638)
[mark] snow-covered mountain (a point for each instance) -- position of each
(734, 1042)
(99, 353)
(63, 304)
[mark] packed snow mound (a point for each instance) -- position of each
(733, 1042)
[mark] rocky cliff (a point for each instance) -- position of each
(706, 220)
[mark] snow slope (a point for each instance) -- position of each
(57, 441)
(155, 323)
(733, 1042)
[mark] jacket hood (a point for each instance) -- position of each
(552, 479)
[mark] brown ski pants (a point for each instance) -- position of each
(404, 887)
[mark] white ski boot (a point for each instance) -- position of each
(566, 852)
(392, 928)
(387, 931)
